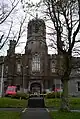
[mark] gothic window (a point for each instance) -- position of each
(6, 68)
(36, 63)
(18, 67)
(36, 27)
(53, 67)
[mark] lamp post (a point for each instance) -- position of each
(55, 88)
(2, 76)
(26, 67)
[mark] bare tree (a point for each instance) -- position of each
(18, 34)
(5, 12)
(65, 15)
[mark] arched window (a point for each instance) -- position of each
(53, 67)
(36, 63)
(6, 68)
(18, 67)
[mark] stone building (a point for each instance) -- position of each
(35, 70)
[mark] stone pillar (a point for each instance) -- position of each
(46, 84)
(29, 84)
(42, 87)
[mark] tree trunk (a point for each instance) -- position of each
(65, 78)
(65, 98)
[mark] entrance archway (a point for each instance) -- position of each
(35, 87)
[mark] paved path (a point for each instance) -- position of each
(23, 110)
(12, 109)
(35, 113)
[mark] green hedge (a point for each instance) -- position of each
(53, 95)
(20, 95)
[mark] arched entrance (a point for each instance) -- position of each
(35, 87)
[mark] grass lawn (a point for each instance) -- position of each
(74, 103)
(8, 102)
(16, 103)
(9, 115)
(65, 115)
(55, 102)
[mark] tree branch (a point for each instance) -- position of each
(9, 13)
(6, 37)
(77, 29)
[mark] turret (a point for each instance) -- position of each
(11, 50)
(36, 36)
(36, 28)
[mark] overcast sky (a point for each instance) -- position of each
(16, 20)
(21, 47)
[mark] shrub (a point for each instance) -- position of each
(50, 95)
(19, 95)
(58, 94)
(53, 95)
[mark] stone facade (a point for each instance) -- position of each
(35, 70)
